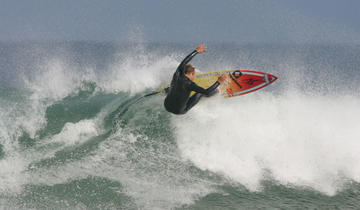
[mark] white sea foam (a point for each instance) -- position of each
(75, 133)
(302, 140)
(137, 73)
(12, 174)
(56, 79)
(15, 118)
(152, 179)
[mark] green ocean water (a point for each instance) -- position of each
(72, 136)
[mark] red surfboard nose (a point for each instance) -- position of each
(272, 78)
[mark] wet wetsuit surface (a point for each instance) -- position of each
(177, 100)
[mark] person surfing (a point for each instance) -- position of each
(178, 100)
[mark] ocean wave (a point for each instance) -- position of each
(72, 126)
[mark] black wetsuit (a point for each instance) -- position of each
(177, 100)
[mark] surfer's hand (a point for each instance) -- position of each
(201, 48)
(222, 78)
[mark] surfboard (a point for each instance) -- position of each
(238, 82)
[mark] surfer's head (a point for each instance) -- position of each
(189, 71)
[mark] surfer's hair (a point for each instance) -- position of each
(188, 69)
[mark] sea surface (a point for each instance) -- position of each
(73, 134)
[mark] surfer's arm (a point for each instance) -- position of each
(200, 49)
(207, 92)
(186, 60)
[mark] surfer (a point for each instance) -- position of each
(177, 100)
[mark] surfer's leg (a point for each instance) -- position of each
(193, 101)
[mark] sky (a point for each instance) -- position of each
(241, 21)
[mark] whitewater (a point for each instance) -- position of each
(72, 138)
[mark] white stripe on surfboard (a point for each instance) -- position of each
(248, 90)
(253, 73)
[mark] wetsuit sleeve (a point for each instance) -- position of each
(185, 61)
(198, 89)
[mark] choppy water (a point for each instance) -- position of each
(66, 141)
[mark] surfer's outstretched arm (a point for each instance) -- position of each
(186, 60)
(200, 49)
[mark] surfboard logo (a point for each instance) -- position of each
(237, 74)
(250, 81)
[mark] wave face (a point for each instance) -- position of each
(73, 134)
